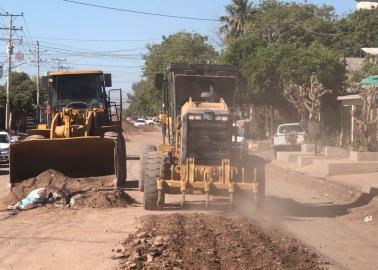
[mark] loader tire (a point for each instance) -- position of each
(146, 148)
(153, 164)
(119, 157)
(34, 137)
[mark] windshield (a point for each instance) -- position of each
(77, 88)
(4, 138)
(193, 86)
(289, 129)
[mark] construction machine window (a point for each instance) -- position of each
(78, 90)
(199, 89)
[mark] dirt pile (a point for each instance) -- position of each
(200, 241)
(96, 192)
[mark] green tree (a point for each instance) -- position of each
(355, 31)
(22, 93)
(286, 42)
(179, 47)
(369, 68)
(239, 13)
(280, 22)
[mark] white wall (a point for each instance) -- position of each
(366, 5)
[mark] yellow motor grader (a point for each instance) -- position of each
(204, 153)
(82, 132)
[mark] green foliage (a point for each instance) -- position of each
(355, 31)
(369, 68)
(177, 48)
(140, 102)
(22, 93)
(281, 22)
(239, 12)
(282, 44)
(181, 47)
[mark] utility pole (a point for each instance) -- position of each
(38, 61)
(38, 77)
(11, 28)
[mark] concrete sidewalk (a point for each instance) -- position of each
(360, 182)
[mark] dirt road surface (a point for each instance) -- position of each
(325, 217)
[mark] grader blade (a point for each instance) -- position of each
(74, 157)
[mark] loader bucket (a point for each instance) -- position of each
(74, 157)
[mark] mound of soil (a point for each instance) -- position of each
(200, 241)
(101, 199)
(96, 192)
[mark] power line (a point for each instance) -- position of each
(99, 40)
(143, 12)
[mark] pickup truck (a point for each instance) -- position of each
(289, 137)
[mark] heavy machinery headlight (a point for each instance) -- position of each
(221, 118)
(195, 117)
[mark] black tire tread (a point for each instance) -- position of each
(153, 163)
(145, 149)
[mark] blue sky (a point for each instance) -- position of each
(51, 22)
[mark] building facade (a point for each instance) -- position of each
(367, 4)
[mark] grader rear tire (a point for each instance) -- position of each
(153, 164)
(119, 157)
(142, 167)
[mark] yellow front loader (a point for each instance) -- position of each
(82, 131)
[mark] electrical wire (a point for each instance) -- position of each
(99, 40)
(142, 12)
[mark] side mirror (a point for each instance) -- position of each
(44, 83)
(159, 81)
(108, 80)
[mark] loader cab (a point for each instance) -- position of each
(76, 89)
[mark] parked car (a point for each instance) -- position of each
(289, 137)
(150, 122)
(5, 141)
(140, 122)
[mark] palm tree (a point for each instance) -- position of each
(238, 13)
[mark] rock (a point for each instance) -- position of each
(159, 241)
(141, 235)
(133, 266)
(150, 257)
(137, 241)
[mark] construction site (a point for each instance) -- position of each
(243, 155)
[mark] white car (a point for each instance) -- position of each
(140, 122)
(150, 122)
(5, 141)
(289, 137)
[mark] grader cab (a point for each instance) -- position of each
(82, 133)
(202, 154)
